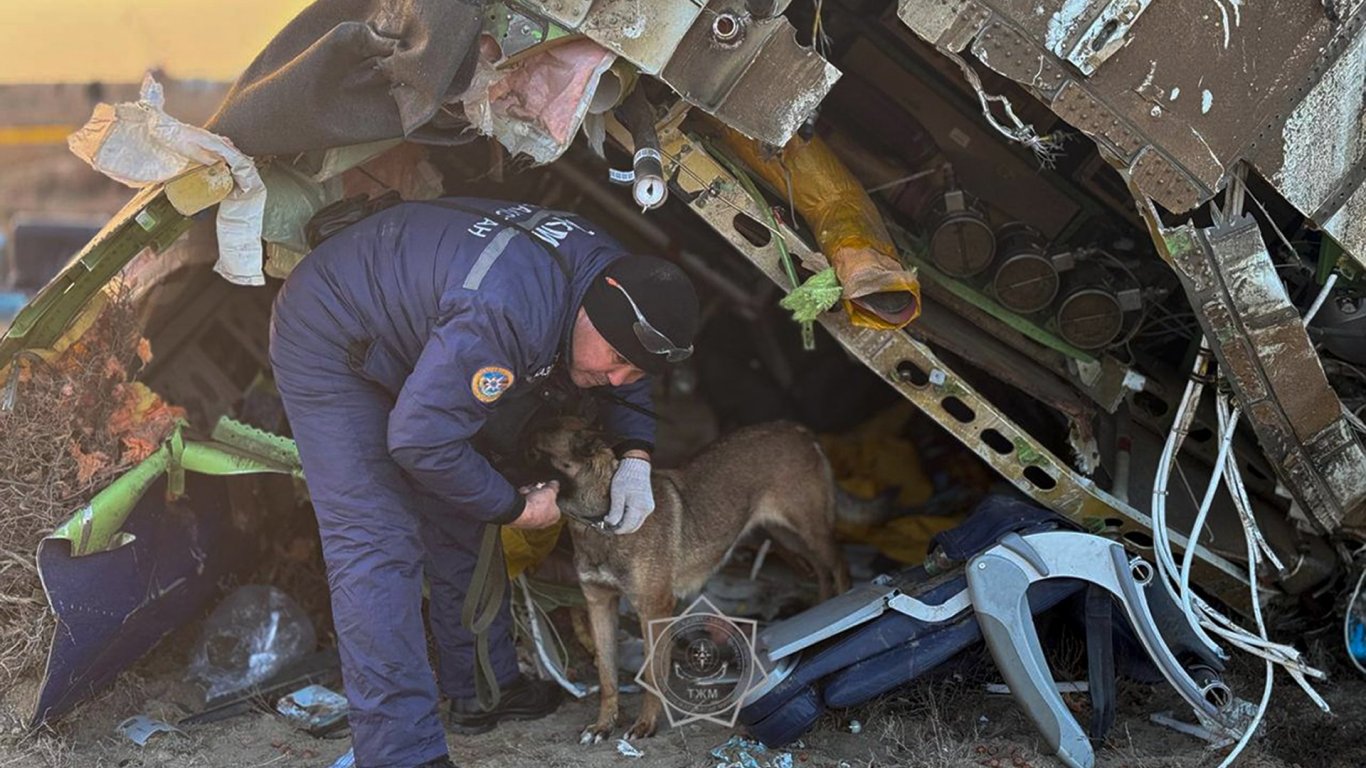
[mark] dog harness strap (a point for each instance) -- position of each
(485, 596)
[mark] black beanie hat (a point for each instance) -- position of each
(665, 296)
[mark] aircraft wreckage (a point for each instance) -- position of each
(1126, 274)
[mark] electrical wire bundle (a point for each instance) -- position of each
(1208, 621)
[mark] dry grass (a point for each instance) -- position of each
(56, 450)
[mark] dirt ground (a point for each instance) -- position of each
(949, 723)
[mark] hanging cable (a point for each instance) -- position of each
(1203, 617)
(1046, 148)
(1322, 297)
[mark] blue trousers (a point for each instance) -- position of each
(381, 534)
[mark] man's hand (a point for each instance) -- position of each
(541, 510)
(632, 498)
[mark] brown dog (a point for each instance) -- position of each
(771, 475)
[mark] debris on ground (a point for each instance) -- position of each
(77, 420)
(140, 729)
(626, 749)
(316, 709)
(740, 752)
(255, 632)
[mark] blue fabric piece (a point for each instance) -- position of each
(799, 712)
(377, 347)
(926, 647)
(993, 518)
(112, 607)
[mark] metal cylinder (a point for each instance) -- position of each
(1212, 686)
(727, 28)
(1025, 279)
(1090, 317)
(963, 244)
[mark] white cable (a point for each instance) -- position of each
(1251, 730)
(538, 640)
(1200, 614)
(1216, 475)
(1046, 149)
(1165, 561)
(1322, 297)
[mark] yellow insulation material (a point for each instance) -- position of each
(847, 225)
(524, 548)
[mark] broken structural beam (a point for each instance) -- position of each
(913, 370)
(1265, 353)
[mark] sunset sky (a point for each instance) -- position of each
(43, 41)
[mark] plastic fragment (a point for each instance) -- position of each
(140, 728)
(818, 294)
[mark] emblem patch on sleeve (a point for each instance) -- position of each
(490, 382)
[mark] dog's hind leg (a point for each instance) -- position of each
(652, 607)
(602, 617)
(817, 549)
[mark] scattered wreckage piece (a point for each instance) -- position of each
(139, 729)
(913, 370)
(1289, 102)
(1265, 353)
(156, 570)
(149, 220)
(839, 653)
(746, 69)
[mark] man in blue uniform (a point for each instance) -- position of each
(397, 347)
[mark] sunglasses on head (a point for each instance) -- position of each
(649, 337)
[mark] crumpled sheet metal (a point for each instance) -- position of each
(763, 84)
(715, 196)
(756, 79)
(139, 145)
(112, 606)
(847, 225)
(1265, 353)
(1274, 84)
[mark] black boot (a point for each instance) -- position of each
(523, 699)
(440, 762)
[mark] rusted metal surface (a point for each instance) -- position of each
(1006, 50)
(645, 33)
(1266, 355)
(1088, 46)
(950, 25)
(755, 77)
(1180, 92)
(913, 370)
(747, 71)
(1320, 157)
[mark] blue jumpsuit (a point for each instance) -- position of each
(392, 344)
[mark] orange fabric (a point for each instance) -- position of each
(848, 227)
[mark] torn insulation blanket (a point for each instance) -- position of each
(347, 72)
(139, 145)
(878, 291)
(112, 606)
(535, 105)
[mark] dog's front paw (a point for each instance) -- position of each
(595, 733)
(643, 728)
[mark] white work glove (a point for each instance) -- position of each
(632, 498)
